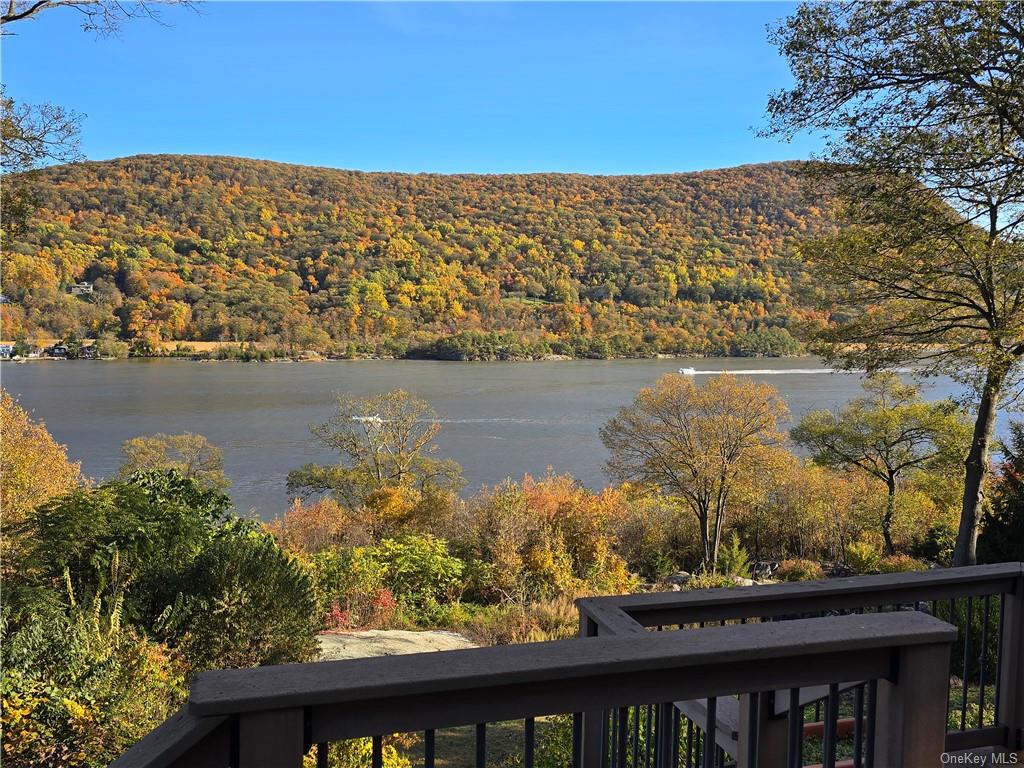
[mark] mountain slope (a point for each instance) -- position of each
(218, 248)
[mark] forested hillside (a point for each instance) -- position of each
(216, 248)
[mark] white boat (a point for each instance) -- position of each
(688, 371)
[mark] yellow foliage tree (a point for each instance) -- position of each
(34, 468)
(695, 443)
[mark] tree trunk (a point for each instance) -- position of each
(703, 520)
(717, 540)
(890, 510)
(976, 469)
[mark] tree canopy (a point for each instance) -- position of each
(695, 442)
(922, 106)
(33, 466)
(886, 434)
(190, 454)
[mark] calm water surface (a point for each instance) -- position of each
(499, 419)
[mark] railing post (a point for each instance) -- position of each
(767, 733)
(911, 713)
(1010, 705)
(592, 723)
(273, 739)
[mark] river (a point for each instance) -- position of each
(498, 419)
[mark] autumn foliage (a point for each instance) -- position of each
(480, 267)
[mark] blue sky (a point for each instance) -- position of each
(487, 87)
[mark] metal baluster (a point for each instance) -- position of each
(753, 723)
(577, 740)
(949, 688)
(689, 743)
(322, 750)
(965, 678)
(377, 758)
(869, 747)
(710, 724)
(529, 738)
(677, 727)
(985, 615)
(481, 745)
(428, 749)
(999, 656)
(858, 726)
(796, 727)
(649, 741)
(828, 746)
(607, 737)
(636, 737)
(623, 736)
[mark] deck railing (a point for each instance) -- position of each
(985, 692)
(637, 697)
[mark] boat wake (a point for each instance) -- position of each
(779, 371)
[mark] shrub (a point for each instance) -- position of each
(510, 623)
(243, 602)
(310, 528)
(937, 544)
(109, 346)
(155, 523)
(901, 564)
(78, 688)
(863, 557)
(733, 559)
(799, 569)
(357, 753)
(554, 742)
(346, 585)
(710, 581)
(420, 570)
(541, 539)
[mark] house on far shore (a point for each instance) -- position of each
(87, 353)
(6, 351)
(80, 289)
(58, 350)
(5, 299)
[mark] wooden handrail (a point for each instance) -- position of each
(285, 708)
(666, 608)
(565, 663)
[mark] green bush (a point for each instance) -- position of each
(243, 602)
(937, 544)
(79, 688)
(155, 523)
(799, 569)
(357, 753)
(733, 559)
(555, 619)
(863, 557)
(348, 583)
(419, 570)
(901, 564)
(710, 581)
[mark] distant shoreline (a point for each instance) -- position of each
(260, 352)
(317, 358)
